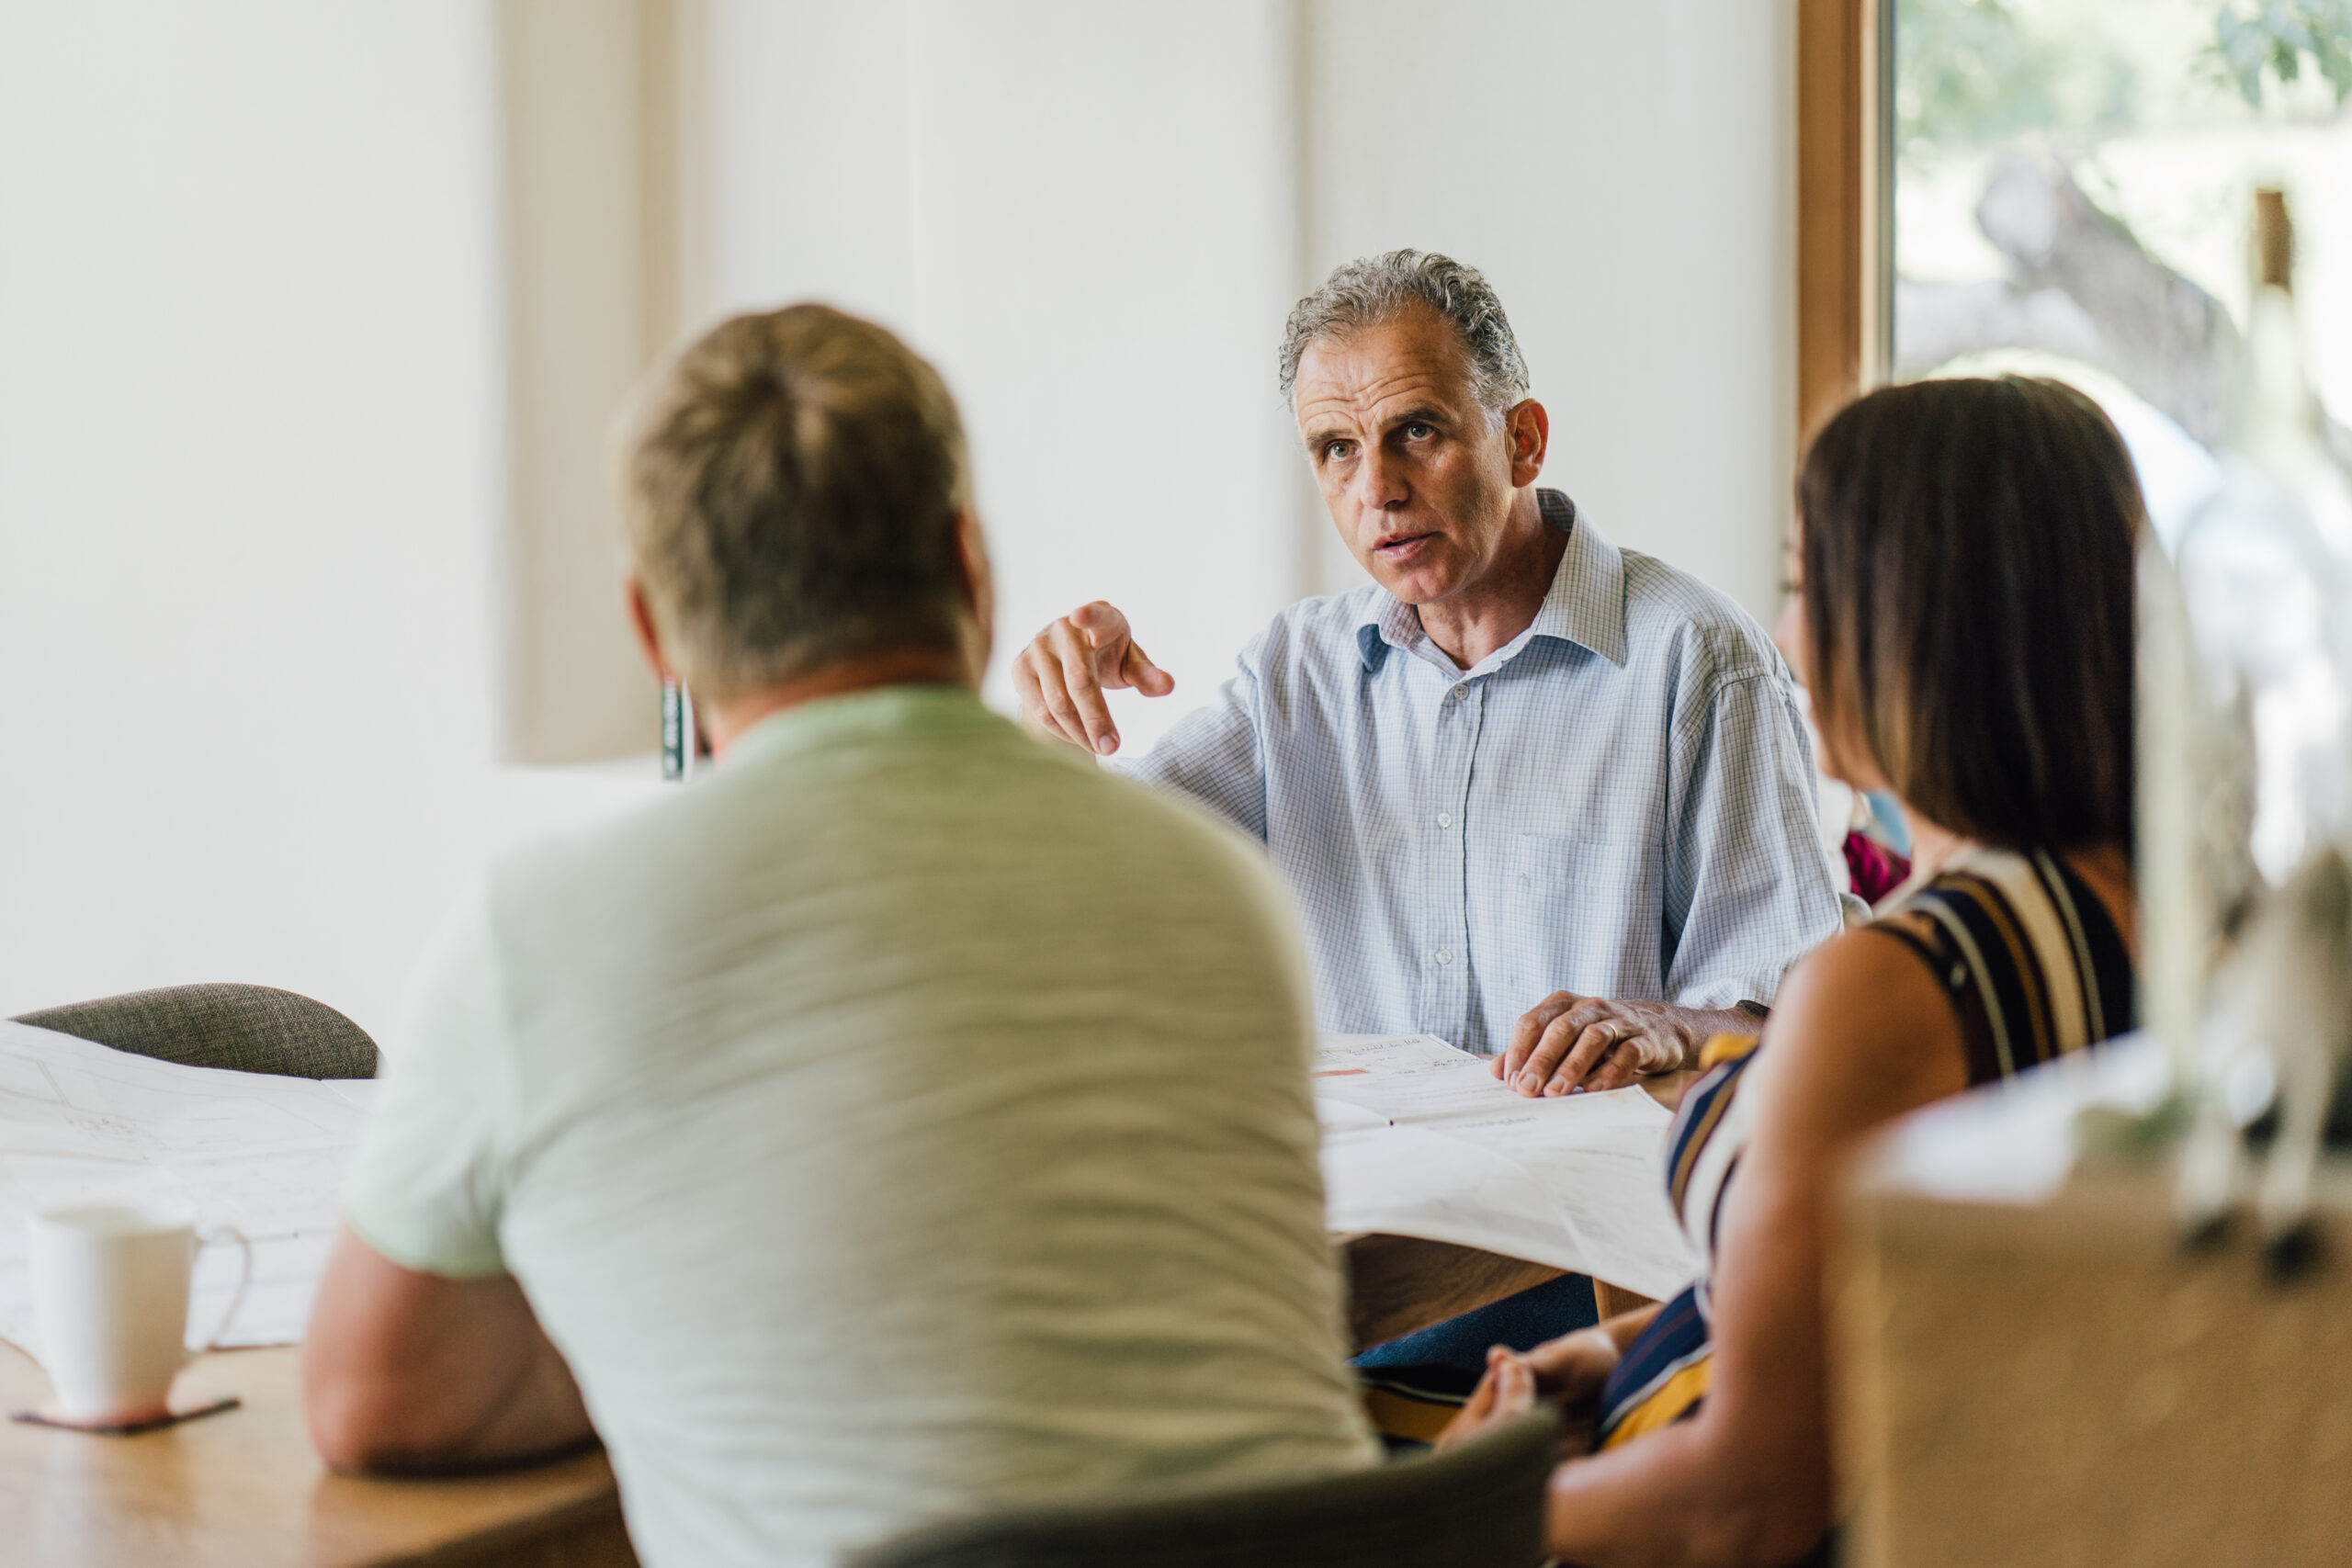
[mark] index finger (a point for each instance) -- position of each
(1106, 628)
(1140, 672)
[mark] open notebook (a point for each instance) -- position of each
(1419, 1139)
(81, 1123)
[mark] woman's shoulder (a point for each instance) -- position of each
(1984, 876)
(1981, 901)
(1853, 987)
(2031, 948)
(1860, 1033)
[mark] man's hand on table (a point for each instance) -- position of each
(1567, 1041)
(1061, 677)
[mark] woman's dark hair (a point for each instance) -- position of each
(1969, 583)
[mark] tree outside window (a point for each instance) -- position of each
(2073, 181)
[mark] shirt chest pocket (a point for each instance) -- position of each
(1585, 916)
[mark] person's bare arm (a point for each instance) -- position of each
(1061, 677)
(1569, 1042)
(410, 1371)
(1861, 1035)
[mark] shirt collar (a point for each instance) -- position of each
(904, 708)
(1585, 604)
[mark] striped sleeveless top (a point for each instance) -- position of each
(2033, 967)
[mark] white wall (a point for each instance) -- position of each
(1095, 218)
(251, 470)
(806, 121)
(1103, 257)
(1625, 176)
(1085, 216)
(248, 487)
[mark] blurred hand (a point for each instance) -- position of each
(1061, 677)
(1568, 1043)
(1506, 1392)
(1571, 1369)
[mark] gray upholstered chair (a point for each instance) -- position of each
(254, 1029)
(1480, 1506)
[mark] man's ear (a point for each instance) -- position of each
(1528, 429)
(979, 583)
(649, 636)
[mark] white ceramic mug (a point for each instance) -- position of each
(110, 1307)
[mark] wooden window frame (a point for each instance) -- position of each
(1845, 203)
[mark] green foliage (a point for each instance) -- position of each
(2256, 40)
(1972, 72)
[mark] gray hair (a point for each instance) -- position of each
(1377, 290)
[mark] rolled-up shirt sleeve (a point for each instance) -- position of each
(1748, 890)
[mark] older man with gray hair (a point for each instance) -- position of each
(1538, 795)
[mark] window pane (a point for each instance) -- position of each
(2074, 190)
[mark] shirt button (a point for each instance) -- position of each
(1445, 955)
(1460, 693)
(1445, 819)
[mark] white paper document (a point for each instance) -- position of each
(1421, 1139)
(82, 1123)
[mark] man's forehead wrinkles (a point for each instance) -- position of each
(1376, 385)
(1377, 401)
(1415, 383)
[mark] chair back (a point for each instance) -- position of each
(1478, 1505)
(254, 1028)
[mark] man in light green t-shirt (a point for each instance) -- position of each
(906, 1118)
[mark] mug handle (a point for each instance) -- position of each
(244, 1278)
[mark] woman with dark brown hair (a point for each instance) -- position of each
(1966, 582)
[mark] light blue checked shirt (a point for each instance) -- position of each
(1619, 802)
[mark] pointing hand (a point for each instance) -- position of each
(1061, 677)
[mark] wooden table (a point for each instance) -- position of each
(1400, 1283)
(243, 1490)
